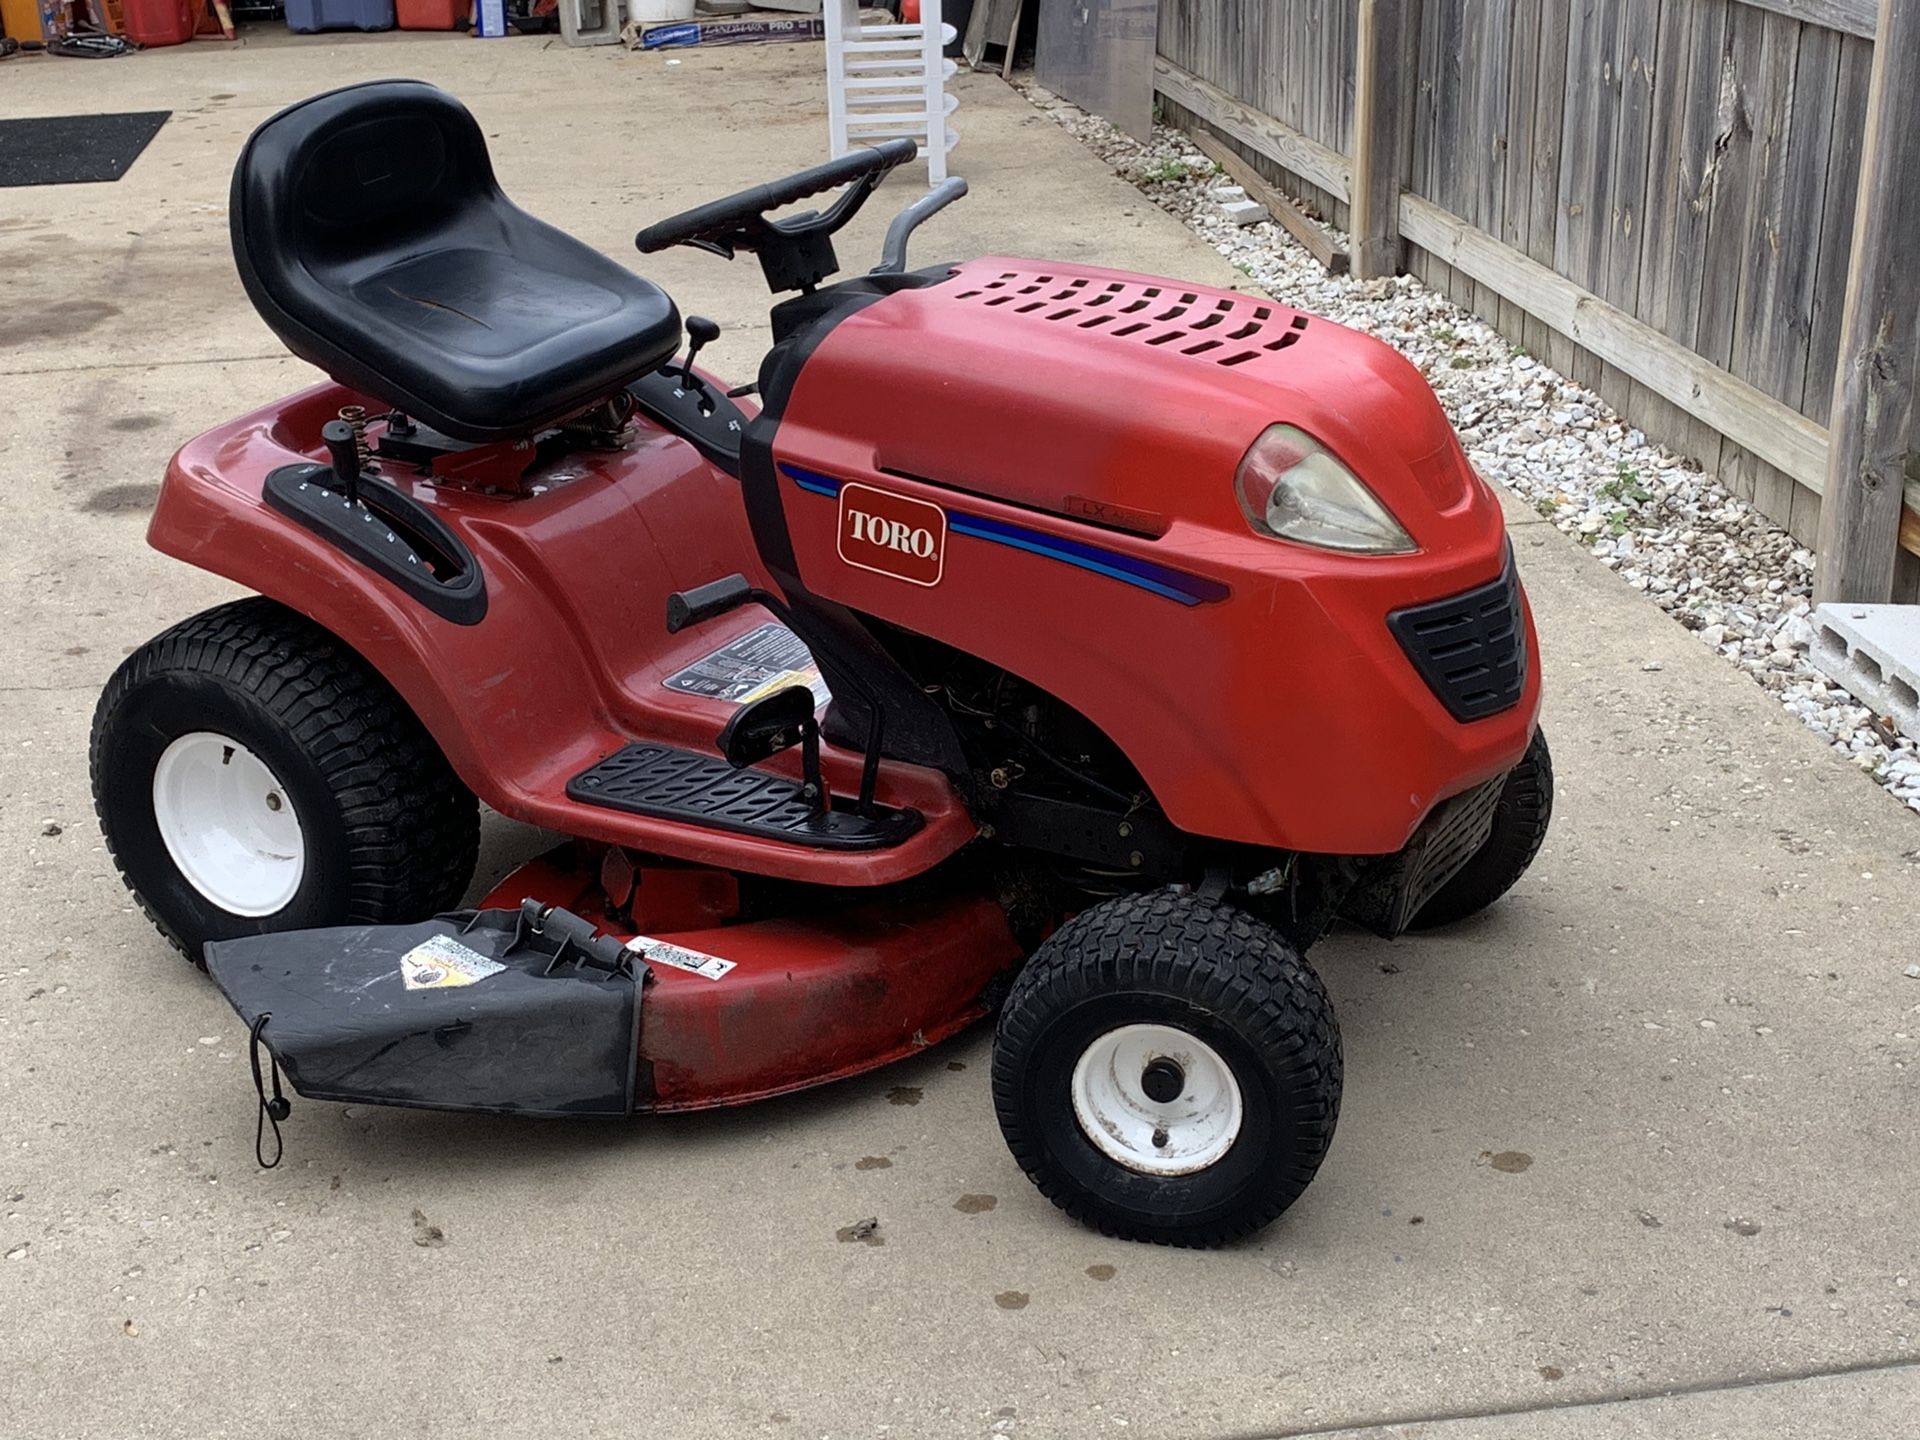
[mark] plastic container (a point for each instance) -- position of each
(430, 14)
(650, 12)
(21, 19)
(306, 16)
(160, 22)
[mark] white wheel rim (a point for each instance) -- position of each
(228, 823)
(1177, 1136)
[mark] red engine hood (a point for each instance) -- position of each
(1039, 412)
(1066, 387)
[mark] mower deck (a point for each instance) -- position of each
(824, 986)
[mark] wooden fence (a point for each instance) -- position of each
(1658, 197)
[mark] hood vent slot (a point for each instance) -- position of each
(1243, 329)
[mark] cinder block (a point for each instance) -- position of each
(1873, 650)
(1227, 194)
(1245, 212)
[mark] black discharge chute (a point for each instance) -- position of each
(527, 1011)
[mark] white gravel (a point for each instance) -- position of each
(1708, 558)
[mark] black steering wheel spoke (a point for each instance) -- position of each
(795, 251)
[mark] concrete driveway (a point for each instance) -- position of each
(1651, 1126)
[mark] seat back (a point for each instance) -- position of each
(373, 239)
(342, 181)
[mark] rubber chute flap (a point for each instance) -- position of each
(526, 1010)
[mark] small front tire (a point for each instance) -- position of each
(1520, 821)
(252, 774)
(1168, 1069)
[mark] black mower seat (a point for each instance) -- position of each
(373, 239)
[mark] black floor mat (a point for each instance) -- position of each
(74, 149)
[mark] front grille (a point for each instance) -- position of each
(1471, 649)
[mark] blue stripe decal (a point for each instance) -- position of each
(1161, 580)
(812, 481)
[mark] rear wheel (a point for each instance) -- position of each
(252, 774)
(1168, 1069)
(1520, 820)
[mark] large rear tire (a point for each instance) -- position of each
(1520, 821)
(1168, 1069)
(253, 774)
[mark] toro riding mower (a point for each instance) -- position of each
(1032, 639)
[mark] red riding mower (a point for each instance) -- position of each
(1020, 610)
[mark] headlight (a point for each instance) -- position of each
(1291, 488)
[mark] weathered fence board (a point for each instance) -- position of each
(1381, 126)
(1854, 17)
(1310, 159)
(1550, 61)
(1692, 165)
(1877, 401)
(1836, 228)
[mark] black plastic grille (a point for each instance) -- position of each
(1471, 649)
(673, 784)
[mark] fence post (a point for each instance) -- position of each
(1382, 106)
(1874, 414)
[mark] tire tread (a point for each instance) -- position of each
(1520, 822)
(412, 826)
(1213, 956)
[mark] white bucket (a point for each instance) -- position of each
(650, 12)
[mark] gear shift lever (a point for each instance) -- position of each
(701, 332)
(345, 452)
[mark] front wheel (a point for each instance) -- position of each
(1168, 1069)
(252, 774)
(1520, 820)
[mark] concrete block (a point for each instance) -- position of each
(1245, 212)
(1227, 194)
(1873, 650)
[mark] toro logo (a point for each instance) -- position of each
(892, 534)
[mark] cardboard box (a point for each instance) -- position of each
(743, 30)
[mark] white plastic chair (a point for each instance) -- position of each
(885, 81)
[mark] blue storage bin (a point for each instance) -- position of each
(307, 16)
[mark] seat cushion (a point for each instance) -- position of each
(373, 239)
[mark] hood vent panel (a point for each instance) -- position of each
(1222, 330)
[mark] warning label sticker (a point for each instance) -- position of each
(443, 962)
(659, 952)
(752, 666)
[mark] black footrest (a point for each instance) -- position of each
(672, 784)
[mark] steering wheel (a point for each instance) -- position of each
(739, 222)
